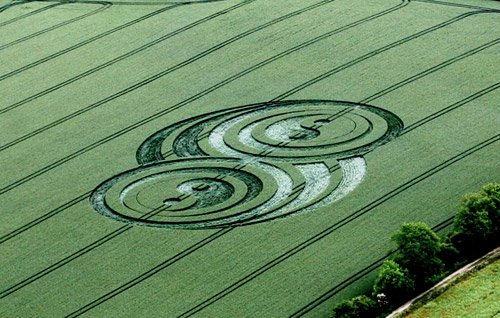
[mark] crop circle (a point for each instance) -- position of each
(247, 164)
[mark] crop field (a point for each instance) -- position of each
(232, 158)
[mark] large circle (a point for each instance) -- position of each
(193, 193)
(295, 131)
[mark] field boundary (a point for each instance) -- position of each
(85, 42)
(446, 284)
(458, 5)
(121, 57)
(204, 151)
(104, 6)
(261, 64)
(167, 110)
(26, 15)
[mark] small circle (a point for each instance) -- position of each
(201, 187)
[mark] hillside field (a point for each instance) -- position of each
(232, 158)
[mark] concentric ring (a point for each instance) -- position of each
(305, 131)
(247, 164)
(296, 131)
(193, 193)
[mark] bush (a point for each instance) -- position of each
(419, 249)
(394, 282)
(357, 307)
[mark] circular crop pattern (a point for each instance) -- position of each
(247, 164)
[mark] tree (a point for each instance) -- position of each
(394, 282)
(472, 219)
(477, 223)
(492, 192)
(449, 255)
(418, 250)
(357, 307)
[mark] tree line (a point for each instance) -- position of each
(422, 258)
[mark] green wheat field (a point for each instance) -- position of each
(232, 158)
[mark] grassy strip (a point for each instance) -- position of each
(469, 292)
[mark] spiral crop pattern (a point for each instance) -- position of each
(247, 164)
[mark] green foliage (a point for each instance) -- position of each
(357, 307)
(472, 218)
(421, 254)
(419, 249)
(449, 255)
(394, 282)
(492, 192)
(477, 223)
